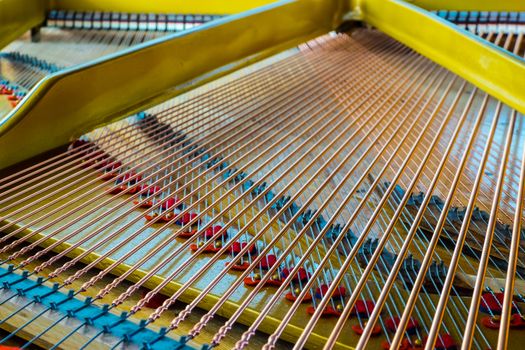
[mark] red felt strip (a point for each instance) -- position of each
(363, 308)
(155, 301)
(516, 322)
(187, 234)
(209, 249)
(117, 189)
(129, 175)
(307, 297)
(248, 281)
(268, 261)
(240, 267)
(491, 303)
(169, 203)
(359, 330)
(444, 342)
(392, 323)
(145, 204)
(211, 231)
(327, 312)
(186, 218)
(405, 345)
(301, 274)
(323, 289)
(236, 248)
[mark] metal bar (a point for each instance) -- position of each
(278, 26)
(486, 65)
(212, 7)
(17, 17)
(470, 5)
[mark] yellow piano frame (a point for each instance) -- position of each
(85, 96)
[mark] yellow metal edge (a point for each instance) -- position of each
(76, 100)
(489, 67)
(214, 7)
(201, 80)
(18, 16)
(470, 5)
(290, 334)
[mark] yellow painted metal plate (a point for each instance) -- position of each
(215, 7)
(18, 16)
(487, 66)
(470, 5)
(74, 101)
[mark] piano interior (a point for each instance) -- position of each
(350, 189)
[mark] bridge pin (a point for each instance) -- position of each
(218, 244)
(418, 342)
(275, 277)
(339, 307)
(257, 276)
(297, 291)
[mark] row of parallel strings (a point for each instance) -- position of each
(24, 63)
(395, 245)
(129, 147)
(495, 27)
(511, 175)
(514, 41)
(351, 125)
(479, 22)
